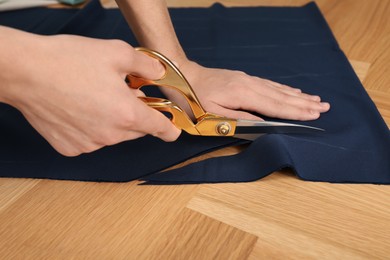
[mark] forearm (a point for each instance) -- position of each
(16, 48)
(77, 104)
(152, 26)
(7, 50)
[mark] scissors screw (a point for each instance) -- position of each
(223, 128)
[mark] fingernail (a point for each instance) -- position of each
(325, 105)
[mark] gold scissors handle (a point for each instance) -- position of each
(206, 123)
(179, 117)
(172, 78)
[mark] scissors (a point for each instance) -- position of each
(205, 124)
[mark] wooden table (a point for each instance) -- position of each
(276, 217)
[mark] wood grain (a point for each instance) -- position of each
(331, 220)
(12, 189)
(277, 217)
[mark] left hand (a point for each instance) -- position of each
(234, 94)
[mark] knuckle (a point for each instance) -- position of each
(172, 139)
(76, 147)
(90, 148)
(240, 73)
(69, 152)
(119, 43)
(129, 118)
(285, 98)
(106, 139)
(121, 47)
(63, 148)
(168, 136)
(306, 114)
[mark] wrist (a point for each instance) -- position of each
(190, 70)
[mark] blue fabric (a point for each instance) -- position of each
(290, 45)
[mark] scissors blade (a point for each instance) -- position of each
(251, 129)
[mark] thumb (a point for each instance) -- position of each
(146, 67)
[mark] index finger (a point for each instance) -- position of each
(144, 66)
(153, 122)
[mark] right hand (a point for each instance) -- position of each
(72, 91)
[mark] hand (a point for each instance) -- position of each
(224, 92)
(72, 91)
(231, 93)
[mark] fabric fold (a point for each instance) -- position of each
(276, 152)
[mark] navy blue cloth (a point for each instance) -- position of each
(290, 45)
